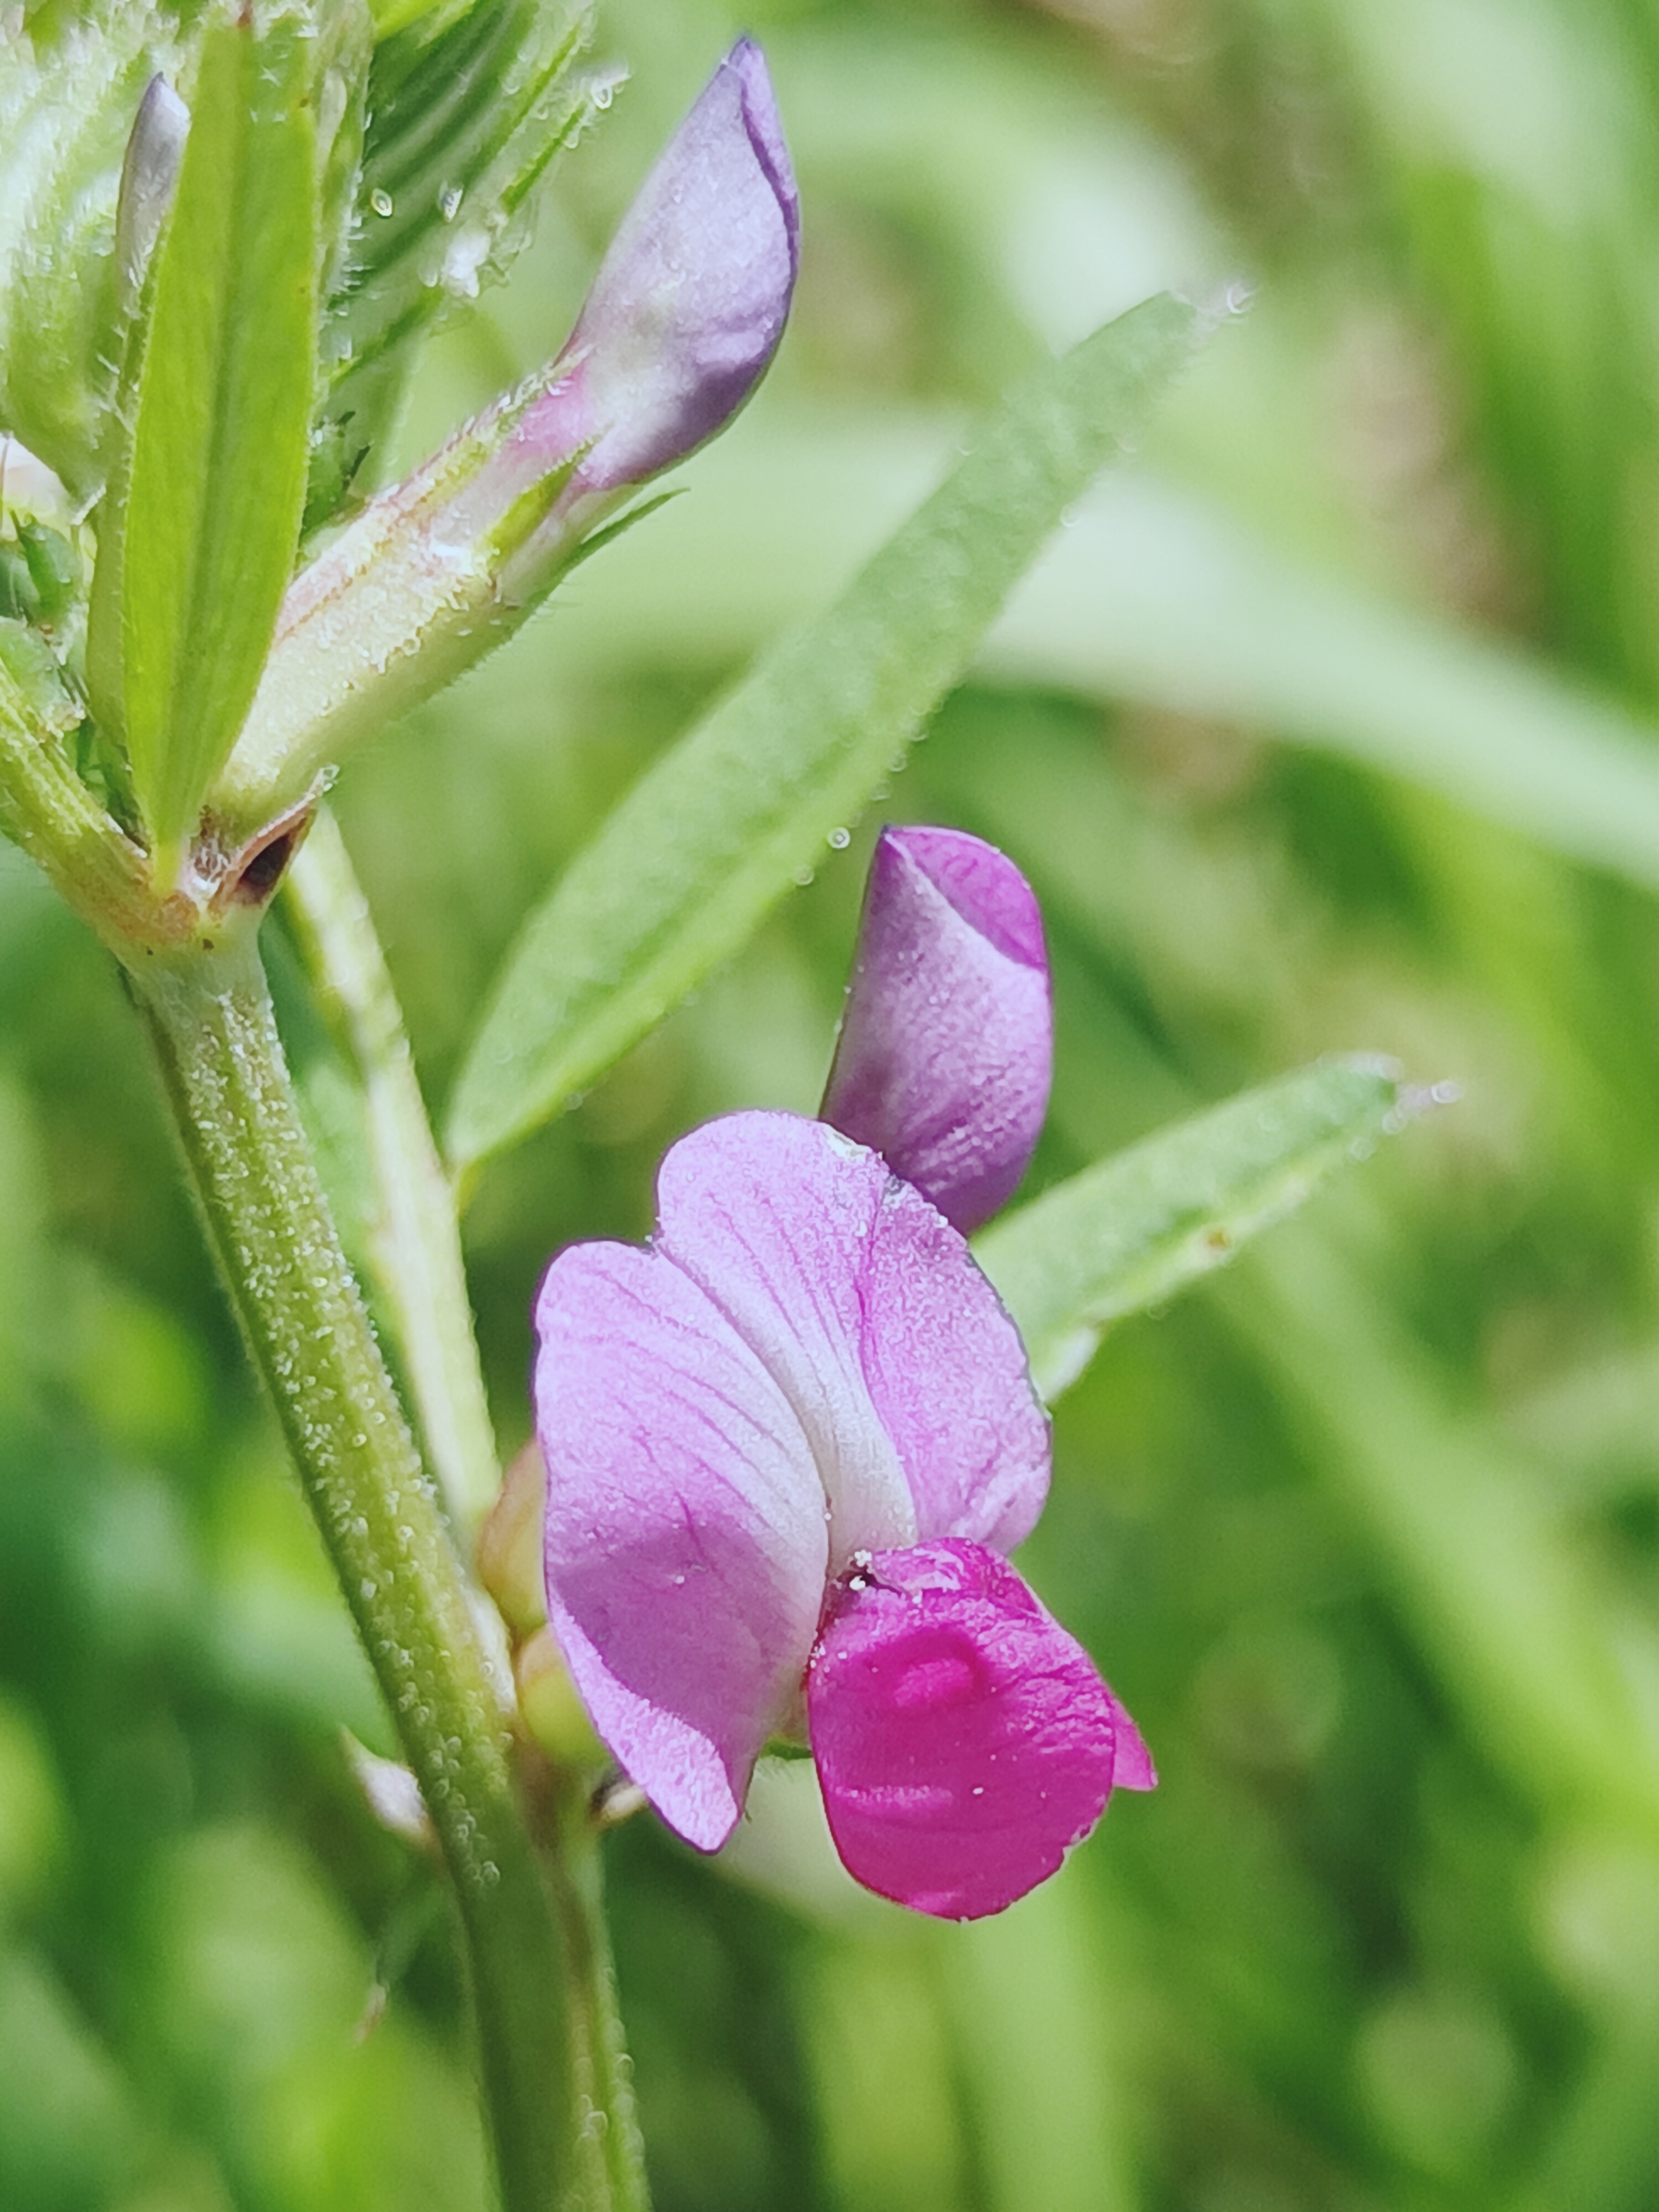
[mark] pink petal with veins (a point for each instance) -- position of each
(870, 1311)
(685, 1545)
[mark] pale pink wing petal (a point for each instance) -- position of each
(908, 1378)
(685, 1540)
(947, 1042)
(964, 1741)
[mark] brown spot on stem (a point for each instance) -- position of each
(260, 876)
(250, 876)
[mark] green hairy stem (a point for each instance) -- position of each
(210, 1021)
(415, 1242)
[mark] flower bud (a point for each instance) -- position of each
(149, 177)
(553, 1714)
(510, 1543)
(946, 1049)
(683, 316)
(689, 302)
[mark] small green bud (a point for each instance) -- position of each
(510, 1545)
(53, 571)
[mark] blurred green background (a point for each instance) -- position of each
(1331, 723)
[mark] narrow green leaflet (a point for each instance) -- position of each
(219, 450)
(716, 832)
(1158, 593)
(414, 1269)
(1133, 1229)
(469, 102)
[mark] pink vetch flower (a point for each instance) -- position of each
(791, 1441)
(680, 325)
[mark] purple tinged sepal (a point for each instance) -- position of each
(680, 325)
(947, 1046)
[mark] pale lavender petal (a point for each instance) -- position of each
(906, 1376)
(685, 1542)
(963, 1741)
(690, 299)
(946, 1050)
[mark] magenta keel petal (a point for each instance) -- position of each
(943, 1060)
(964, 1740)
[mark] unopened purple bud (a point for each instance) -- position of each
(946, 1047)
(685, 313)
(690, 299)
(677, 329)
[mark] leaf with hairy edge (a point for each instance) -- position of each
(716, 832)
(1133, 1230)
(469, 102)
(219, 448)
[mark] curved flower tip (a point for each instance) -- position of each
(690, 299)
(947, 1046)
(963, 1741)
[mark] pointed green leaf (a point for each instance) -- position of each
(1133, 1230)
(149, 177)
(468, 103)
(716, 831)
(219, 448)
